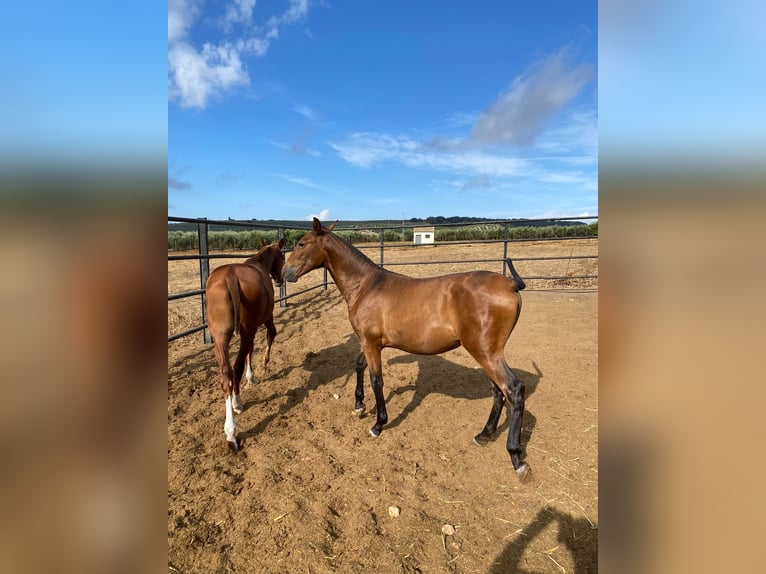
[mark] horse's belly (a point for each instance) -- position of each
(423, 341)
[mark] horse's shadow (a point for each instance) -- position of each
(436, 374)
(577, 535)
(327, 365)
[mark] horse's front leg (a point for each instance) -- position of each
(271, 333)
(249, 367)
(361, 365)
(243, 357)
(372, 354)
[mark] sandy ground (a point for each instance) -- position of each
(310, 491)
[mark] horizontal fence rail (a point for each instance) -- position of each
(203, 228)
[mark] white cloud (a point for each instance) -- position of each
(323, 215)
(302, 181)
(181, 15)
(305, 111)
(197, 75)
(298, 146)
(256, 46)
(238, 12)
(459, 119)
(367, 149)
(363, 149)
(298, 10)
(564, 150)
(521, 112)
(578, 135)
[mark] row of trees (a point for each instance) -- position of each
(250, 240)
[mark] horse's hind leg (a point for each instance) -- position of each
(494, 416)
(361, 365)
(512, 388)
(226, 375)
(515, 392)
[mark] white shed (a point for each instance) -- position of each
(423, 235)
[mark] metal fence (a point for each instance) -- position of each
(204, 256)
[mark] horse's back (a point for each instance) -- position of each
(436, 314)
(255, 291)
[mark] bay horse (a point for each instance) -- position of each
(240, 298)
(476, 309)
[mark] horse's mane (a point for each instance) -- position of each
(258, 256)
(357, 256)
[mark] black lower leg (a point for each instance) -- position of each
(494, 416)
(517, 412)
(376, 381)
(271, 333)
(361, 365)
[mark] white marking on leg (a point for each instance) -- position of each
(249, 371)
(266, 359)
(230, 427)
(236, 404)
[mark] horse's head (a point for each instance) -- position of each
(278, 263)
(273, 259)
(308, 253)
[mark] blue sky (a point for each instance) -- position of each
(382, 110)
(83, 83)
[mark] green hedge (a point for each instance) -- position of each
(250, 240)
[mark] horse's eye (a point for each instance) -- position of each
(300, 244)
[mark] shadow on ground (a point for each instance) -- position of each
(575, 535)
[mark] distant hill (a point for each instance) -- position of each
(368, 224)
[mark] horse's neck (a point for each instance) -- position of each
(259, 260)
(349, 268)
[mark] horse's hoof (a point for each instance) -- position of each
(478, 440)
(238, 410)
(359, 412)
(523, 471)
(233, 445)
(374, 433)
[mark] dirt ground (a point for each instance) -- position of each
(310, 490)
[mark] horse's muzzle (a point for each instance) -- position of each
(289, 274)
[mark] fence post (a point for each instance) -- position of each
(204, 273)
(382, 235)
(283, 286)
(505, 247)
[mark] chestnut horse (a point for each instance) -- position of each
(240, 298)
(477, 309)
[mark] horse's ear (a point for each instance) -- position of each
(317, 226)
(281, 243)
(332, 226)
(261, 242)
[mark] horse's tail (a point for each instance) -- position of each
(233, 285)
(520, 285)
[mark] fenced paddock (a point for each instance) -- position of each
(567, 259)
(310, 490)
